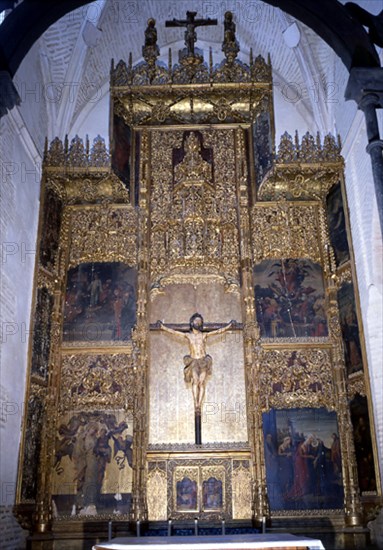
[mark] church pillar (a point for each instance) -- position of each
(365, 86)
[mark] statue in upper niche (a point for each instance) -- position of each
(193, 166)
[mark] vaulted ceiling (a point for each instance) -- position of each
(71, 61)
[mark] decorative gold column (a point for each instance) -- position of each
(352, 505)
(140, 443)
(43, 515)
(251, 334)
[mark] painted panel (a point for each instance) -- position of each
(350, 328)
(50, 229)
(290, 299)
(100, 302)
(42, 333)
(337, 225)
(363, 444)
(93, 464)
(303, 459)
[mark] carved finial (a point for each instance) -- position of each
(286, 151)
(296, 140)
(45, 148)
(170, 65)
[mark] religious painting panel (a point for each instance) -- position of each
(200, 485)
(121, 152)
(185, 490)
(262, 145)
(337, 225)
(51, 223)
(303, 459)
(100, 302)
(213, 488)
(350, 328)
(32, 446)
(93, 464)
(363, 444)
(290, 299)
(42, 333)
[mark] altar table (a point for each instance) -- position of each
(282, 541)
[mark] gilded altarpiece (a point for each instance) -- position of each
(202, 218)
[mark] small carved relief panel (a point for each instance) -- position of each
(102, 234)
(97, 381)
(285, 230)
(157, 497)
(302, 377)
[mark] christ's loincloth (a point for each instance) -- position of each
(197, 366)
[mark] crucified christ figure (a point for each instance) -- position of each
(198, 364)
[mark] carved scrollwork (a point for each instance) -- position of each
(102, 381)
(103, 234)
(300, 378)
(344, 275)
(229, 70)
(356, 385)
(95, 190)
(285, 229)
(303, 171)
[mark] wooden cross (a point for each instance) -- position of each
(190, 23)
